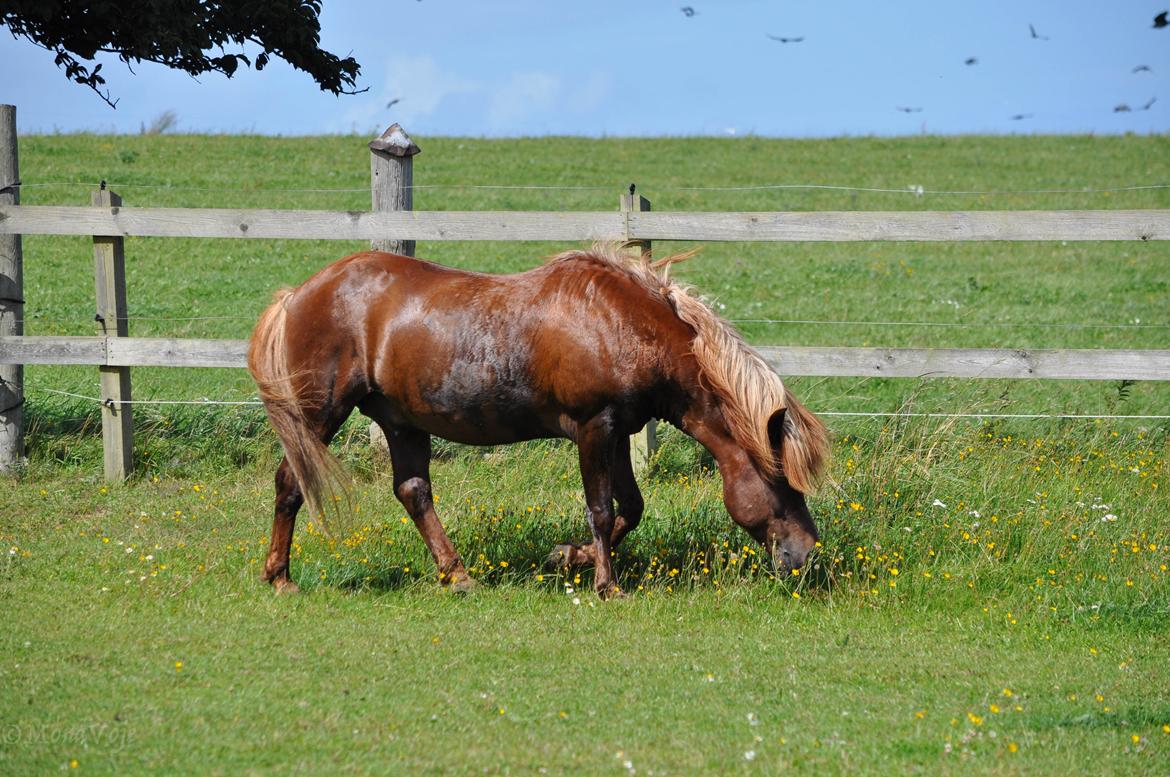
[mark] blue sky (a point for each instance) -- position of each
(643, 67)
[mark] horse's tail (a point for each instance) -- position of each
(285, 395)
(804, 450)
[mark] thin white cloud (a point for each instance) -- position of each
(591, 95)
(417, 83)
(529, 95)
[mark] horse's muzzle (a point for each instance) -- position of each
(785, 560)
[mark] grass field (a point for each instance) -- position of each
(991, 597)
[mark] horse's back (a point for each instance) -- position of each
(489, 358)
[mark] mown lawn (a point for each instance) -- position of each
(991, 596)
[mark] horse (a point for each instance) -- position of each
(589, 346)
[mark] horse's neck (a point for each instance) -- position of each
(746, 494)
(704, 421)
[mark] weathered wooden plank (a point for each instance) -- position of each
(904, 225)
(52, 350)
(553, 226)
(310, 224)
(123, 351)
(163, 352)
(1086, 364)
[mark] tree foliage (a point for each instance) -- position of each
(188, 35)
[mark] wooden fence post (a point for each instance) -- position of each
(109, 255)
(644, 443)
(11, 301)
(391, 179)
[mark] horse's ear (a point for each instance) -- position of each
(776, 430)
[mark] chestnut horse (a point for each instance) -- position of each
(589, 346)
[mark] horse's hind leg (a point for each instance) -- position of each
(630, 507)
(288, 501)
(410, 455)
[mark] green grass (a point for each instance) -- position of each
(961, 559)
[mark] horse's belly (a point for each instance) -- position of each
(481, 431)
(474, 418)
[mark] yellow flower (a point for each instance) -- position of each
(1013, 747)
(178, 666)
(73, 764)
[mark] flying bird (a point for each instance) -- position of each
(1160, 21)
(908, 110)
(393, 102)
(1142, 69)
(1036, 35)
(1122, 108)
(971, 61)
(785, 40)
(1021, 116)
(1147, 106)
(687, 11)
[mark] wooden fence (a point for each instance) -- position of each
(392, 225)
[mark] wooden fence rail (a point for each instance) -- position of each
(392, 224)
(1062, 364)
(404, 225)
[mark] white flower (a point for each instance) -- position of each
(938, 503)
(749, 755)
(1110, 517)
(753, 719)
(576, 600)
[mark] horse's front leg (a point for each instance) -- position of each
(596, 444)
(630, 507)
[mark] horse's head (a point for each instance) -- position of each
(775, 515)
(791, 533)
(768, 506)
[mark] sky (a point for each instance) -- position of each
(508, 68)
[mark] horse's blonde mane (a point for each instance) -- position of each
(750, 392)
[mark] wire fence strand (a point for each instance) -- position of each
(910, 190)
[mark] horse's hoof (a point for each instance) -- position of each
(463, 585)
(561, 556)
(285, 586)
(612, 593)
